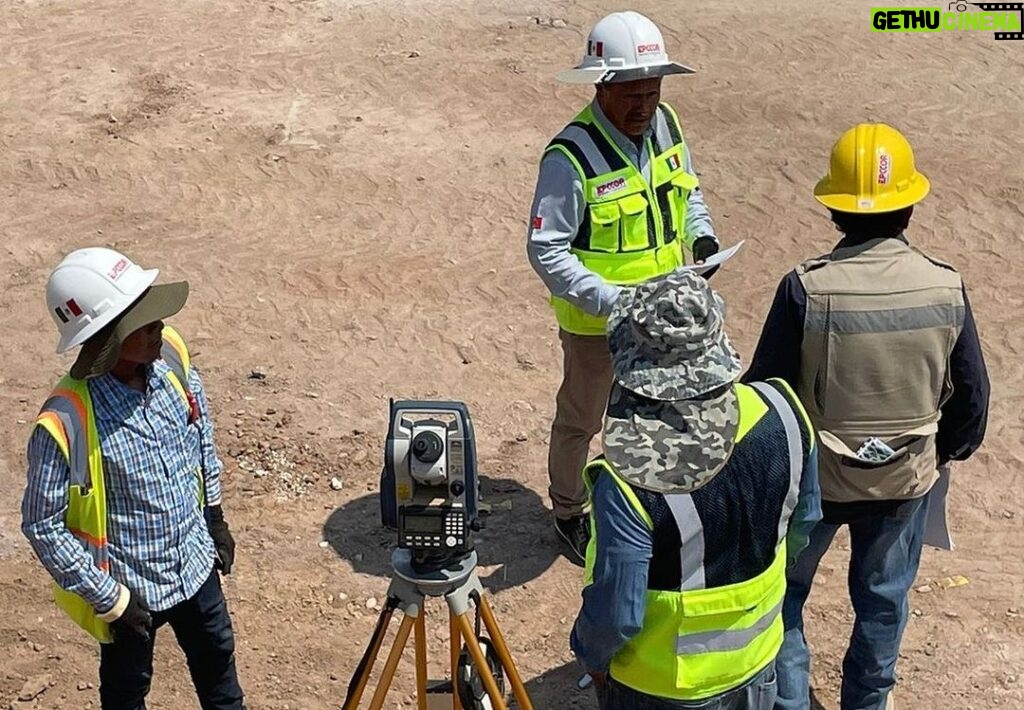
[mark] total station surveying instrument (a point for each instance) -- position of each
(429, 494)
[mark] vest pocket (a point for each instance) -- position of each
(634, 223)
(604, 227)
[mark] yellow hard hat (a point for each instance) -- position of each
(871, 170)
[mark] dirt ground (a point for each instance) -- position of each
(347, 185)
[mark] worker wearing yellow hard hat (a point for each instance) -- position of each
(871, 171)
(880, 344)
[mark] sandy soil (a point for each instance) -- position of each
(346, 186)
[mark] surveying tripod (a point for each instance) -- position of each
(408, 591)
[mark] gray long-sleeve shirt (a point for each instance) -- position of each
(557, 213)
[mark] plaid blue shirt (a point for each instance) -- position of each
(157, 539)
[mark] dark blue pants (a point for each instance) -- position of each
(885, 554)
(203, 629)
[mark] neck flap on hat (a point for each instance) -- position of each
(670, 446)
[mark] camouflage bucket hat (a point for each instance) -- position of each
(672, 414)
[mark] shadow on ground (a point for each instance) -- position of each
(557, 689)
(517, 537)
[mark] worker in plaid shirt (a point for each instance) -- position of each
(164, 530)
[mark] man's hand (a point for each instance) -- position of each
(135, 620)
(702, 248)
(222, 540)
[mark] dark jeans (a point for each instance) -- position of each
(757, 694)
(203, 629)
(885, 553)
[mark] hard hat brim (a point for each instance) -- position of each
(613, 75)
(100, 353)
(844, 202)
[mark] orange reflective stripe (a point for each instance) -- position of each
(53, 424)
(75, 400)
(91, 539)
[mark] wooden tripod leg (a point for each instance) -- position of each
(456, 650)
(518, 689)
(421, 661)
(388, 674)
(366, 667)
(481, 662)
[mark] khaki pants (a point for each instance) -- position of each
(579, 414)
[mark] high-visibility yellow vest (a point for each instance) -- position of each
(699, 640)
(632, 229)
(68, 416)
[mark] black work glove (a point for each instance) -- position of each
(222, 540)
(703, 247)
(135, 620)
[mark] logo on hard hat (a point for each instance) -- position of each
(650, 48)
(68, 310)
(595, 49)
(118, 269)
(883, 168)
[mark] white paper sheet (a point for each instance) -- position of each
(936, 527)
(713, 260)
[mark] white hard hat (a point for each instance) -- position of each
(623, 46)
(89, 289)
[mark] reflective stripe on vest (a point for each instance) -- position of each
(691, 533)
(699, 642)
(67, 415)
(630, 225)
(794, 444)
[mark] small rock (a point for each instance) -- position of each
(520, 437)
(257, 374)
(111, 118)
(467, 352)
(951, 615)
(371, 603)
(84, 685)
(324, 543)
(558, 22)
(37, 647)
(918, 612)
(311, 395)
(336, 484)
(923, 589)
(413, 54)
(34, 687)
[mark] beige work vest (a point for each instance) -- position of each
(881, 322)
